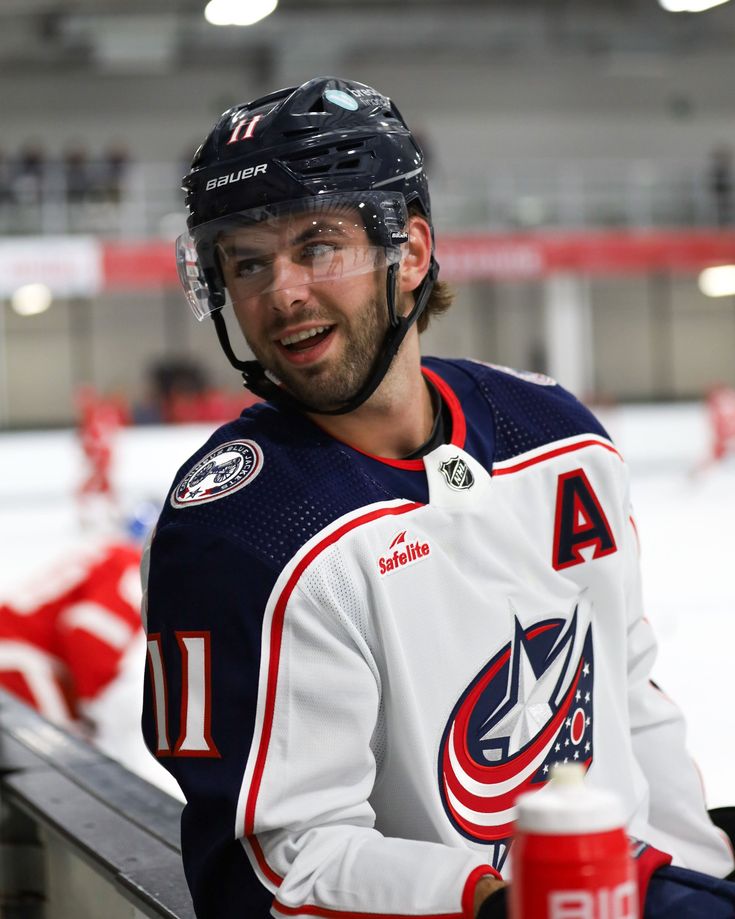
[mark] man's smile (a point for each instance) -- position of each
(305, 345)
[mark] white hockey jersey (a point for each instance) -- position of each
(356, 664)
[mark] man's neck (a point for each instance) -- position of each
(394, 422)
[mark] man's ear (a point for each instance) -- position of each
(415, 261)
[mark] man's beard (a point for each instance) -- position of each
(330, 384)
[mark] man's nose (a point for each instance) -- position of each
(290, 282)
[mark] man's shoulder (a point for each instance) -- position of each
(268, 482)
(529, 409)
(238, 446)
(457, 370)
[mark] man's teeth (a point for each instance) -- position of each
(302, 336)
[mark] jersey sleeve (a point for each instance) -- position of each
(278, 770)
(677, 810)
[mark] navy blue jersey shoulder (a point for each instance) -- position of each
(529, 410)
(307, 480)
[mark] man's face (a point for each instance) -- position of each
(309, 295)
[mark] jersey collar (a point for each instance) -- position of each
(459, 425)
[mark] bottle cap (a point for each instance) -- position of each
(567, 806)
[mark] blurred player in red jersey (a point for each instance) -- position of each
(721, 410)
(71, 641)
(72, 647)
(63, 639)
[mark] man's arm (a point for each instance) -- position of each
(677, 810)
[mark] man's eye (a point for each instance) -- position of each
(319, 250)
(247, 267)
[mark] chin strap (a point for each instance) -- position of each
(257, 380)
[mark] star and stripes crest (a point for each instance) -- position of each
(531, 706)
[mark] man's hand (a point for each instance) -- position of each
(485, 887)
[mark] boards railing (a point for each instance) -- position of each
(80, 836)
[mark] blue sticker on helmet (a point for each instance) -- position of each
(342, 99)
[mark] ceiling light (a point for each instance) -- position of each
(690, 6)
(718, 281)
(31, 299)
(238, 12)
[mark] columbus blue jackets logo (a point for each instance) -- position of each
(457, 473)
(228, 468)
(529, 708)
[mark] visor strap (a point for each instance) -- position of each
(394, 337)
(220, 327)
(391, 280)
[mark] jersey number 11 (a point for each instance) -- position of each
(195, 732)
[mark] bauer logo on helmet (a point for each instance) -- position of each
(248, 173)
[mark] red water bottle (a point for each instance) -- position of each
(570, 856)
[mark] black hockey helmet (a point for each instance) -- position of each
(328, 143)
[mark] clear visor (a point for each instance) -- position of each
(291, 245)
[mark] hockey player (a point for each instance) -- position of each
(387, 600)
(71, 641)
(71, 646)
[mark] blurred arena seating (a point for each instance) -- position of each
(137, 199)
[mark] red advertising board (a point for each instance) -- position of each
(488, 256)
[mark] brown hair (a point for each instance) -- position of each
(440, 299)
(441, 296)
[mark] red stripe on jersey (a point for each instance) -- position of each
(275, 651)
(468, 894)
(349, 914)
(459, 424)
(559, 451)
(635, 533)
(264, 866)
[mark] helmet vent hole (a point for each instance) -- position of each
(351, 145)
(295, 157)
(349, 164)
(301, 132)
(318, 106)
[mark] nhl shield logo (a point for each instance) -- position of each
(228, 468)
(457, 473)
